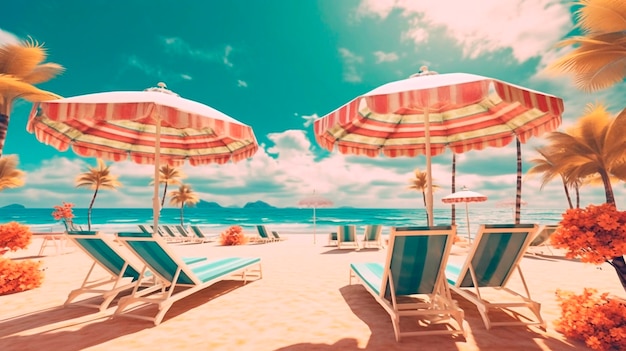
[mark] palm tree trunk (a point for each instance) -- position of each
(569, 198)
(518, 195)
(608, 188)
(89, 210)
(425, 206)
(182, 220)
(4, 126)
(577, 188)
(453, 210)
(164, 192)
(618, 261)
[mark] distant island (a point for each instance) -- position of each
(14, 206)
(210, 204)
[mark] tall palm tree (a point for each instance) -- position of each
(599, 58)
(10, 176)
(420, 183)
(20, 67)
(183, 196)
(97, 178)
(594, 146)
(169, 175)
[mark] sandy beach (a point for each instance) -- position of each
(303, 302)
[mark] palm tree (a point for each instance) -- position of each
(183, 196)
(169, 176)
(546, 166)
(10, 176)
(97, 178)
(599, 59)
(420, 183)
(20, 67)
(594, 146)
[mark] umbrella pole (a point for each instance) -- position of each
(313, 224)
(429, 176)
(156, 206)
(469, 233)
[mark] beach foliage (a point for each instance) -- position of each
(16, 276)
(420, 183)
(10, 176)
(547, 165)
(169, 175)
(184, 196)
(233, 236)
(596, 319)
(598, 60)
(97, 178)
(14, 236)
(21, 66)
(65, 213)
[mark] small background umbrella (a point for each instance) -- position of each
(429, 112)
(314, 201)
(465, 196)
(147, 127)
(510, 204)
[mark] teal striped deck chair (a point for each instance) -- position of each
(122, 274)
(178, 279)
(201, 235)
(264, 235)
(493, 257)
(372, 237)
(332, 238)
(346, 237)
(411, 282)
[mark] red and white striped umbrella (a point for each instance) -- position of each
(314, 201)
(465, 196)
(148, 127)
(427, 113)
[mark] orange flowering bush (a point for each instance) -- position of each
(233, 236)
(595, 319)
(596, 233)
(64, 213)
(14, 236)
(16, 276)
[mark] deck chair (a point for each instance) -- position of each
(346, 237)
(122, 274)
(160, 232)
(189, 237)
(277, 236)
(264, 235)
(201, 235)
(494, 256)
(332, 238)
(411, 282)
(542, 239)
(177, 278)
(372, 236)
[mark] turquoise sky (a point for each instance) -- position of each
(271, 63)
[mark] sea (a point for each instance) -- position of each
(283, 220)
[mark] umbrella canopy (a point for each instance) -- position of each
(314, 201)
(147, 127)
(465, 196)
(425, 114)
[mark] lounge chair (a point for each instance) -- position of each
(178, 279)
(542, 239)
(346, 237)
(264, 236)
(160, 232)
(332, 238)
(123, 275)
(494, 256)
(201, 235)
(411, 282)
(277, 236)
(372, 236)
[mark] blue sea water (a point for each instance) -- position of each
(284, 220)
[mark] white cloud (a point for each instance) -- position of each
(242, 84)
(350, 63)
(527, 27)
(382, 56)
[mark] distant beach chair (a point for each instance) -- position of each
(178, 279)
(346, 237)
(277, 236)
(411, 282)
(332, 238)
(189, 237)
(373, 236)
(264, 236)
(494, 256)
(123, 275)
(201, 235)
(542, 239)
(145, 229)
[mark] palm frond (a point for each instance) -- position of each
(43, 73)
(602, 15)
(20, 59)
(13, 88)
(10, 176)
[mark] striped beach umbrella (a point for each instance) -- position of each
(314, 201)
(429, 112)
(154, 126)
(465, 196)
